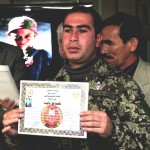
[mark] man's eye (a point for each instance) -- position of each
(17, 37)
(82, 30)
(28, 36)
(106, 42)
(67, 30)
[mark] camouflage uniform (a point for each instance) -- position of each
(121, 98)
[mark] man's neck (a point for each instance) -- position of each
(129, 62)
(76, 65)
(79, 73)
(130, 70)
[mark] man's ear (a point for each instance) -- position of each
(98, 39)
(133, 44)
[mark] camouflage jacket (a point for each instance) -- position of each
(122, 99)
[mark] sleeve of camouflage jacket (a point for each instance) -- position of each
(132, 127)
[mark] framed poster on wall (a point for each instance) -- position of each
(42, 1)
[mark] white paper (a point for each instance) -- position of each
(7, 85)
(53, 108)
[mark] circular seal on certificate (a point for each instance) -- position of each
(51, 116)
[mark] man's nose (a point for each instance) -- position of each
(74, 36)
(104, 48)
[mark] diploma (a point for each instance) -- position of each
(52, 108)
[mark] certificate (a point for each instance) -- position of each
(52, 108)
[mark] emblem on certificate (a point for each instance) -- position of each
(51, 116)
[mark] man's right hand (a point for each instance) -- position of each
(7, 103)
(10, 121)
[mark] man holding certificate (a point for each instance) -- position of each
(116, 118)
(12, 70)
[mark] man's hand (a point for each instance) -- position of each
(7, 103)
(10, 121)
(96, 121)
(29, 61)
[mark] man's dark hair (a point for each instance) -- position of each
(96, 17)
(130, 26)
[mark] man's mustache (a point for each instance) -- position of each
(106, 56)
